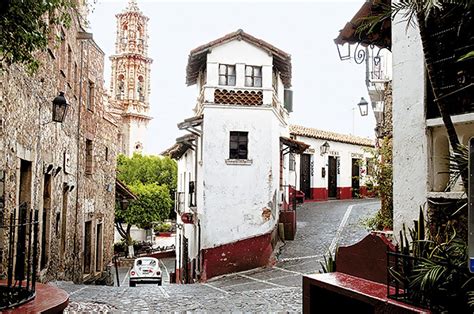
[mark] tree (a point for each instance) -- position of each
(26, 26)
(153, 204)
(153, 180)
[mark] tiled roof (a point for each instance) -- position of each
(198, 56)
(380, 36)
(330, 136)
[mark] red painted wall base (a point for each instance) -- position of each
(319, 194)
(237, 256)
(364, 192)
(344, 193)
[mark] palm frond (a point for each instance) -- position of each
(458, 163)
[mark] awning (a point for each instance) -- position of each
(122, 192)
(191, 122)
(295, 146)
(182, 145)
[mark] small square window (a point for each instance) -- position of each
(227, 75)
(238, 145)
(253, 76)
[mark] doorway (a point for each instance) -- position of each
(332, 177)
(23, 214)
(305, 175)
(355, 178)
(45, 221)
(98, 249)
(87, 247)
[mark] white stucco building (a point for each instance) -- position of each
(343, 171)
(421, 170)
(420, 141)
(232, 165)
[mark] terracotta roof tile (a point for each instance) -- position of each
(330, 136)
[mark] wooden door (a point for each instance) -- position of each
(332, 177)
(355, 178)
(305, 175)
(87, 247)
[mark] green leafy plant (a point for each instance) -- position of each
(458, 163)
(381, 180)
(26, 26)
(329, 263)
(163, 227)
(436, 272)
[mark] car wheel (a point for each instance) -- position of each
(159, 283)
(132, 284)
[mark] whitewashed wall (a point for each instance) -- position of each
(239, 53)
(343, 151)
(409, 127)
(235, 195)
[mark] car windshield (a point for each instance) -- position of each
(146, 262)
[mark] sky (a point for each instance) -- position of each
(326, 90)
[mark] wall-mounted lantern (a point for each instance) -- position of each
(363, 107)
(60, 106)
(324, 148)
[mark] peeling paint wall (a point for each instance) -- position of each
(237, 200)
(238, 194)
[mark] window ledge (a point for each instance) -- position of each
(447, 195)
(457, 119)
(239, 162)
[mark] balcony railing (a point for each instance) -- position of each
(22, 259)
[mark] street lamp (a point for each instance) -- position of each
(324, 148)
(60, 106)
(363, 107)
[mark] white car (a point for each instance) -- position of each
(145, 270)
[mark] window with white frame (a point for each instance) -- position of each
(253, 76)
(226, 74)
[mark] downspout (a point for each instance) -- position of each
(198, 147)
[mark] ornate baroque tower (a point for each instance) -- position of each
(130, 82)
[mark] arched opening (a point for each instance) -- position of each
(140, 91)
(124, 38)
(440, 163)
(120, 87)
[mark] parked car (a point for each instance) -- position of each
(145, 270)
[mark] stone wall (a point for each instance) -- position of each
(54, 156)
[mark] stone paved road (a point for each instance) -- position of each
(271, 289)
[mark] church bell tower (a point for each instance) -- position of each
(130, 81)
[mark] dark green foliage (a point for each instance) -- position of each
(26, 26)
(438, 273)
(153, 180)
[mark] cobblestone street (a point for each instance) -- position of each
(321, 226)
